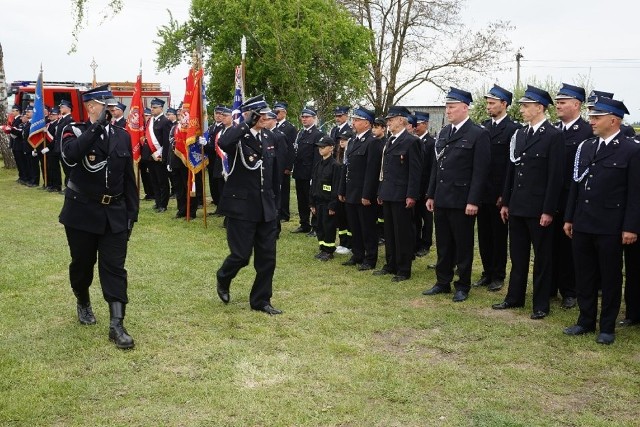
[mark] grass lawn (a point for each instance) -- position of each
(351, 349)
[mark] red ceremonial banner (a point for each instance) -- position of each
(135, 120)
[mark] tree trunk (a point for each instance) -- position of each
(5, 151)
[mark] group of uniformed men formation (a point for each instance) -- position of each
(568, 189)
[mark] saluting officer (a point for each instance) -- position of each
(306, 157)
(250, 204)
(530, 199)
(456, 187)
(603, 215)
(575, 129)
(398, 191)
(100, 207)
(492, 232)
(359, 187)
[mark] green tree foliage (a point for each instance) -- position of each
(297, 51)
(79, 10)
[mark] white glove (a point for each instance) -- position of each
(202, 141)
(45, 150)
(169, 168)
(34, 153)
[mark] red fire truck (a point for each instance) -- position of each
(54, 92)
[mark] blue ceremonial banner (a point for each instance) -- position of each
(38, 125)
(237, 99)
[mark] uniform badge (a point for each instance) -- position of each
(251, 158)
(575, 127)
(92, 157)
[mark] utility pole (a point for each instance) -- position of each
(519, 56)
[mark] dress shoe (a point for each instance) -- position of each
(381, 241)
(422, 252)
(504, 305)
(325, 256)
(223, 293)
(148, 197)
(568, 302)
(301, 229)
(160, 210)
(364, 267)
(537, 315)
(117, 333)
(382, 272)
(399, 278)
(460, 296)
(628, 322)
(482, 281)
(318, 255)
(495, 286)
(350, 262)
(604, 338)
(268, 309)
(437, 289)
(180, 215)
(311, 233)
(155, 207)
(577, 330)
(431, 266)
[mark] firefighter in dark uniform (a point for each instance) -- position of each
(341, 116)
(603, 215)
(214, 168)
(398, 190)
(179, 171)
(250, 204)
(575, 129)
(100, 207)
(379, 130)
(51, 163)
(359, 187)
(342, 125)
(118, 115)
(424, 218)
(492, 232)
(290, 132)
(55, 156)
(457, 183)
(157, 141)
(530, 199)
(306, 157)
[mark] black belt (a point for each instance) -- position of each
(105, 199)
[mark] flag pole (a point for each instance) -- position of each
(243, 51)
(138, 174)
(202, 131)
(44, 139)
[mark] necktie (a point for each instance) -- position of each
(529, 133)
(494, 125)
(392, 140)
(599, 145)
(453, 130)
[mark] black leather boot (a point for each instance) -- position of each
(85, 313)
(117, 333)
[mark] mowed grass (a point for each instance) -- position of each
(350, 349)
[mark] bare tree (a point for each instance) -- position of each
(5, 151)
(413, 42)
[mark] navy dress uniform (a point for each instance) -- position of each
(603, 214)
(100, 207)
(530, 199)
(457, 184)
(575, 130)
(215, 168)
(290, 132)
(492, 232)
(398, 190)
(158, 130)
(359, 185)
(250, 204)
(423, 217)
(121, 122)
(55, 156)
(305, 158)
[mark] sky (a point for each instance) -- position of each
(568, 41)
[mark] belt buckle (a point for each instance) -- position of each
(106, 199)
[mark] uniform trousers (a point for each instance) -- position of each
(110, 250)
(492, 239)
(342, 224)
(564, 278)
(424, 226)
(180, 178)
(598, 258)
(364, 234)
(21, 164)
(399, 235)
(454, 244)
(523, 233)
(54, 177)
(145, 177)
(303, 187)
(243, 237)
(33, 169)
(160, 183)
(285, 190)
(632, 281)
(326, 228)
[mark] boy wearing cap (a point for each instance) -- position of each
(323, 197)
(575, 129)
(602, 216)
(458, 179)
(530, 200)
(100, 207)
(492, 232)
